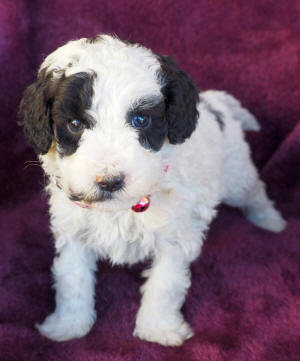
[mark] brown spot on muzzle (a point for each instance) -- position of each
(99, 178)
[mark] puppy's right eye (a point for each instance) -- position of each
(75, 126)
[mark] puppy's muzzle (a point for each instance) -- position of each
(110, 183)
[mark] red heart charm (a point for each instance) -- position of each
(142, 205)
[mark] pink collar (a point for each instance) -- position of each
(82, 205)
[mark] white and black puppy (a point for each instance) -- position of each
(137, 162)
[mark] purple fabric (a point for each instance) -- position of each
(244, 303)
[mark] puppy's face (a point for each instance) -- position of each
(100, 113)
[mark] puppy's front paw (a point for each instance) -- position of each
(173, 336)
(65, 326)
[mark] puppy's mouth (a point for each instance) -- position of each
(99, 197)
(141, 206)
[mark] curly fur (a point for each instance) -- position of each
(103, 82)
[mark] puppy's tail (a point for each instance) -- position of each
(221, 100)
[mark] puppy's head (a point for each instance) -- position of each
(100, 114)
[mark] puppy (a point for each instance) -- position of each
(137, 162)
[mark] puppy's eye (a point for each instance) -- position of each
(140, 121)
(75, 125)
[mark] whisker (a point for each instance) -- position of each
(32, 164)
(32, 161)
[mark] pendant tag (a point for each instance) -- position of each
(142, 205)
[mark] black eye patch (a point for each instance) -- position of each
(147, 116)
(73, 97)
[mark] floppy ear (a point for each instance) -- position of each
(35, 111)
(181, 97)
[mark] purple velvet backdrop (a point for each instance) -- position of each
(244, 303)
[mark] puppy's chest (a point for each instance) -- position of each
(122, 238)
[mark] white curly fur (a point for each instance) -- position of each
(212, 166)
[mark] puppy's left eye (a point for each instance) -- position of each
(75, 125)
(140, 121)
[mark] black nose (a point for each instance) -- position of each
(111, 184)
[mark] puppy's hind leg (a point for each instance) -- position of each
(75, 314)
(260, 210)
(246, 191)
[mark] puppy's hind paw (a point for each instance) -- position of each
(267, 218)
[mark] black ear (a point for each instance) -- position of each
(35, 112)
(181, 97)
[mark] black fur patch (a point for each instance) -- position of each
(153, 136)
(49, 104)
(73, 97)
(219, 117)
(181, 98)
(94, 39)
(35, 110)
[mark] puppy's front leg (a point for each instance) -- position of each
(75, 314)
(159, 318)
